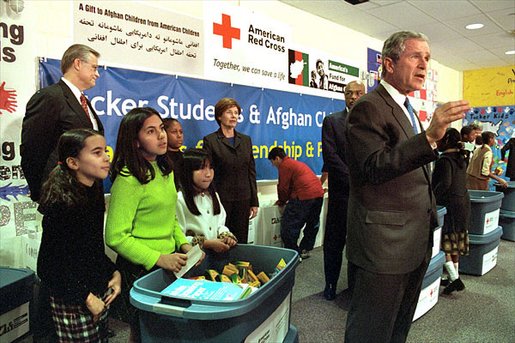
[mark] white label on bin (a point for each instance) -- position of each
(437, 238)
(427, 299)
(15, 323)
(491, 221)
(489, 261)
(274, 328)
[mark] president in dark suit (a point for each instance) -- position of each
(56, 109)
(333, 147)
(392, 211)
(235, 168)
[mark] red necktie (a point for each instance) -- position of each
(84, 104)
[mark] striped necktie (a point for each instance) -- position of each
(414, 121)
(84, 104)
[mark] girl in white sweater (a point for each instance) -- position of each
(199, 210)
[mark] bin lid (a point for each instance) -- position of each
(507, 214)
(441, 210)
(434, 270)
(436, 262)
(485, 196)
(13, 278)
(485, 239)
(146, 296)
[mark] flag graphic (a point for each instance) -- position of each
(298, 68)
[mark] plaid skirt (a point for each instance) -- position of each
(74, 322)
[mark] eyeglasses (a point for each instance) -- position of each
(93, 66)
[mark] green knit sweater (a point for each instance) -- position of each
(141, 222)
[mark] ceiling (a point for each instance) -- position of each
(442, 21)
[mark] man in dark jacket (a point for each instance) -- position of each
(333, 148)
(55, 109)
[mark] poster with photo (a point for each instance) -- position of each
(316, 71)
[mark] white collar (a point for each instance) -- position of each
(75, 90)
(394, 93)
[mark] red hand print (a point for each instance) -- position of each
(7, 99)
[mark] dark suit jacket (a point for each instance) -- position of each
(391, 207)
(235, 168)
(333, 152)
(509, 146)
(50, 112)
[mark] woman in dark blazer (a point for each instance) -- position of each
(235, 169)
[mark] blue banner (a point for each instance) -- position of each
(270, 117)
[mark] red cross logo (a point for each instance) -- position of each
(226, 31)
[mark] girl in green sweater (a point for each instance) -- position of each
(141, 223)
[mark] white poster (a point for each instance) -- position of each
(17, 51)
(135, 34)
(244, 47)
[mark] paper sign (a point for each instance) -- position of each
(194, 256)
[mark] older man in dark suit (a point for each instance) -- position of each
(391, 206)
(333, 148)
(56, 109)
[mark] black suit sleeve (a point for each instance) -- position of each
(39, 137)
(332, 160)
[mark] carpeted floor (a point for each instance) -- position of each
(483, 312)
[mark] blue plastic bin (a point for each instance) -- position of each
(165, 319)
(429, 293)
(482, 253)
(507, 221)
(508, 202)
(16, 287)
(484, 211)
(441, 211)
(437, 232)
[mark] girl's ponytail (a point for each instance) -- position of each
(62, 187)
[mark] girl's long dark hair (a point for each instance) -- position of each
(452, 140)
(127, 154)
(196, 159)
(62, 187)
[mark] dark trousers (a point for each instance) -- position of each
(42, 325)
(238, 213)
(298, 213)
(122, 308)
(383, 305)
(334, 237)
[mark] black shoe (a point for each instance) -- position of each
(444, 282)
(459, 285)
(330, 292)
(110, 333)
(304, 254)
(456, 285)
